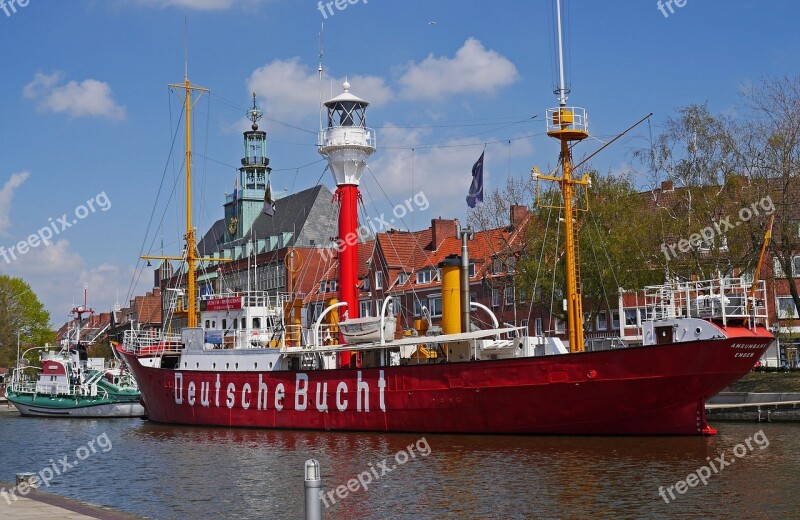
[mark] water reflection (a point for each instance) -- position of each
(173, 472)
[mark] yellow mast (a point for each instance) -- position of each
(567, 125)
(190, 257)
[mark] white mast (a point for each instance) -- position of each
(562, 89)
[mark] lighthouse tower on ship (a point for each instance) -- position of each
(346, 143)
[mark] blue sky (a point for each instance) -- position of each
(85, 109)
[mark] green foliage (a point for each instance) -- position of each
(21, 310)
(616, 246)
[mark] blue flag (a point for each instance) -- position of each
(475, 195)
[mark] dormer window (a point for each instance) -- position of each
(425, 276)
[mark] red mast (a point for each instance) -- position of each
(346, 143)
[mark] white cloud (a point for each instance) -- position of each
(89, 98)
(291, 88)
(57, 275)
(6, 195)
(473, 69)
(444, 174)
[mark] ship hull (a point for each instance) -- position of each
(653, 390)
(64, 407)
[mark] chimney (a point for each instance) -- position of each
(518, 214)
(441, 229)
(667, 186)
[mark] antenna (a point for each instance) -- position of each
(185, 46)
(561, 91)
(320, 69)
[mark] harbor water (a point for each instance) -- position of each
(748, 470)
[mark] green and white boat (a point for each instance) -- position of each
(70, 384)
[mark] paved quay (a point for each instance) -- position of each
(39, 505)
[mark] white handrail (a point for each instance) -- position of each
(491, 315)
(383, 316)
(319, 320)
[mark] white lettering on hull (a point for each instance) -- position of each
(243, 396)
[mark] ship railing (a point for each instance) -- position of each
(141, 342)
(253, 338)
(355, 135)
(719, 298)
(327, 335)
(23, 387)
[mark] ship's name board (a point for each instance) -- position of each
(748, 346)
(221, 304)
(268, 395)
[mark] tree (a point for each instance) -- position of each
(771, 145)
(705, 219)
(20, 310)
(615, 244)
(494, 212)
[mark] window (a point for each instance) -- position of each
(327, 286)
(560, 326)
(224, 324)
(365, 308)
(786, 308)
(425, 276)
(256, 323)
(435, 306)
(472, 269)
(511, 264)
(602, 321)
(615, 320)
(396, 305)
(630, 317)
(473, 297)
(587, 321)
(402, 278)
(537, 329)
(378, 279)
(777, 269)
(524, 323)
(497, 266)
(208, 324)
(509, 295)
(365, 286)
(495, 297)
(244, 323)
(417, 308)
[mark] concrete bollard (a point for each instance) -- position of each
(313, 486)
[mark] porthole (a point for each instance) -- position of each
(236, 366)
(214, 366)
(255, 365)
(270, 365)
(185, 364)
(227, 366)
(197, 365)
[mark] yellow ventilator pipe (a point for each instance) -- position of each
(451, 294)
